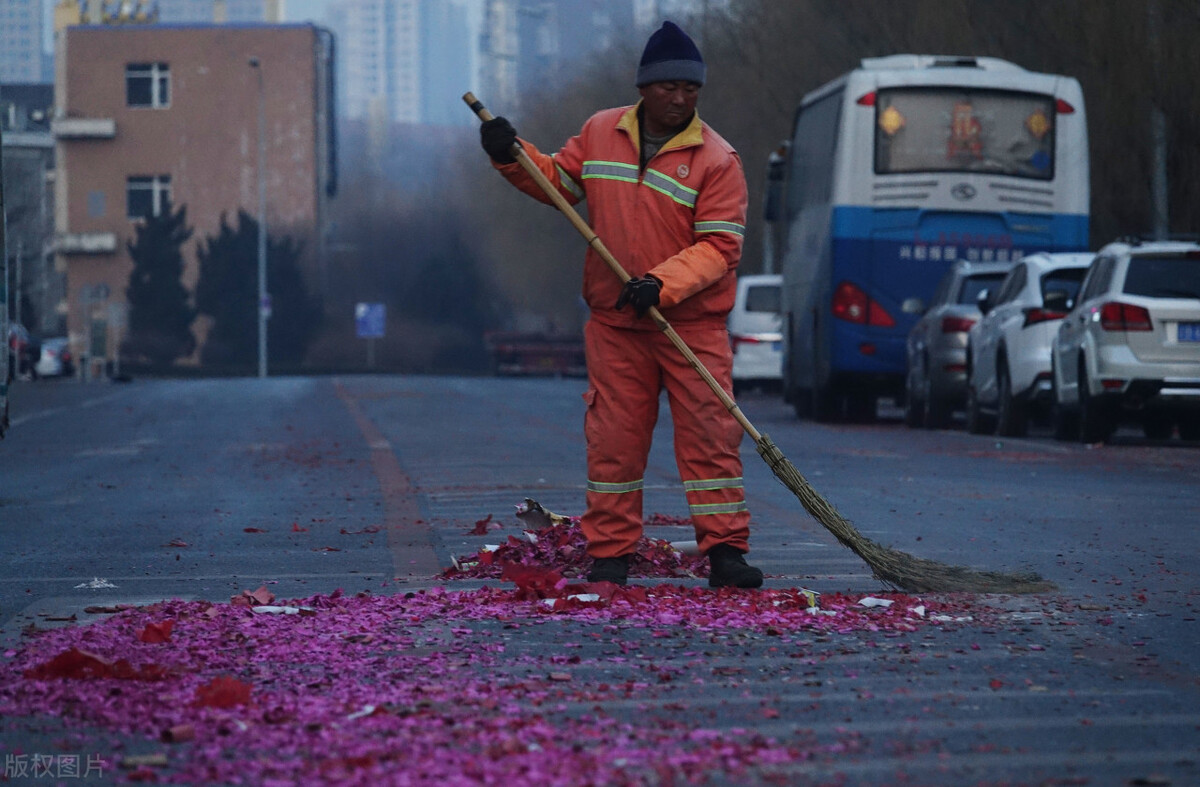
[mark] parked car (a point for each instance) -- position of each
(23, 350)
(1008, 350)
(936, 384)
(756, 332)
(55, 359)
(1130, 347)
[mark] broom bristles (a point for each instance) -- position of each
(897, 568)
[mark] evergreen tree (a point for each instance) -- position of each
(228, 293)
(160, 316)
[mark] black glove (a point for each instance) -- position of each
(497, 137)
(641, 292)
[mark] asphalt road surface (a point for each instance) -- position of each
(132, 493)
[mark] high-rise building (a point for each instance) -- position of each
(219, 11)
(526, 45)
(402, 61)
(21, 41)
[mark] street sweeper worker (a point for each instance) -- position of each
(667, 196)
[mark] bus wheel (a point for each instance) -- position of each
(825, 401)
(861, 407)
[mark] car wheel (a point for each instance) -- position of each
(938, 413)
(861, 407)
(1189, 427)
(1012, 420)
(914, 411)
(1157, 425)
(977, 421)
(1063, 419)
(914, 406)
(1096, 423)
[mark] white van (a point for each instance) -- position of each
(756, 332)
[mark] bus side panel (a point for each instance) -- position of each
(808, 243)
(895, 255)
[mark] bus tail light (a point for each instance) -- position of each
(1037, 314)
(1117, 316)
(956, 324)
(866, 99)
(851, 304)
(1063, 108)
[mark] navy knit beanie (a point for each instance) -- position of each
(670, 56)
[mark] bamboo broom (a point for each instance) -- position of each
(897, 568)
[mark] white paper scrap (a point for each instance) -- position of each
(871, 601)
(96, 584)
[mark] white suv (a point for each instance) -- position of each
(756, 332)
(1008, 350)
(1130, 348)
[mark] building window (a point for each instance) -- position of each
(147, 195)
(148, 85)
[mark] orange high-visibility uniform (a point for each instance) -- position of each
(682, 220)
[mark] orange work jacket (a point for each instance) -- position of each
(681, 220)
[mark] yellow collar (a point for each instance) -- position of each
(691, 135)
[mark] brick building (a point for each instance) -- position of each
(150, 113)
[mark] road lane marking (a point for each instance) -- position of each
(409, 536)
(53, 411)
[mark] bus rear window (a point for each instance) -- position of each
(1000, 132)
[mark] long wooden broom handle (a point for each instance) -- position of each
(594, 241)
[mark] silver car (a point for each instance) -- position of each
(936, 383)
(1130, 347)
(1008, 351)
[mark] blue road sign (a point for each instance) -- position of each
(369, 320)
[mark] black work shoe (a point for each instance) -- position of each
(730, 570)
(610, 569)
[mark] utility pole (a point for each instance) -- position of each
(264, 303)
(1159, 185)
(20, 273)
(4, 360)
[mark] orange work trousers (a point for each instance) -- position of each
(627, 369)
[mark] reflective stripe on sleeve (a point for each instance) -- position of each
(606, 488)
(720, 226)
(570, 185)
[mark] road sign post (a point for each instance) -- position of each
(369, 320)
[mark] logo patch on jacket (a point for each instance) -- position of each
(683, 171)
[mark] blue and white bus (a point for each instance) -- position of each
(892, 172)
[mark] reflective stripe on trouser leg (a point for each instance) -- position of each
(707, 439)
(715, 496)
(622, 408)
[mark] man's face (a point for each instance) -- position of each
(668, 105)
